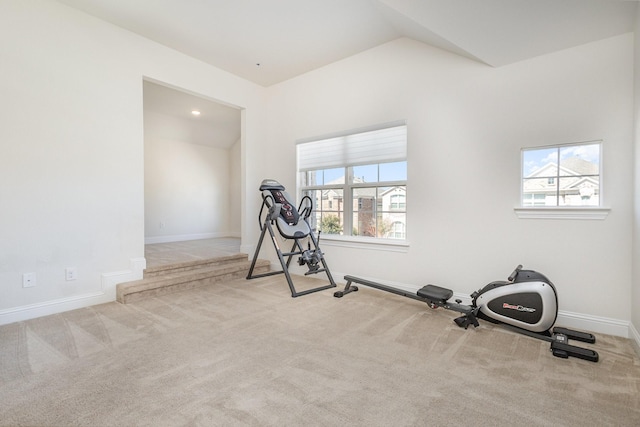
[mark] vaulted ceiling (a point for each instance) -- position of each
(268, 42)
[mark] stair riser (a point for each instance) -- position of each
(158, 272)
(183, 269)
(127, 297)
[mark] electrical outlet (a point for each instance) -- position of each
(71, 273)
(28, 280)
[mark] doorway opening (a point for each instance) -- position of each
(192, 174)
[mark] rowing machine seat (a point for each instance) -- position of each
(435, 293)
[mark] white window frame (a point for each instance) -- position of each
(563, 212)
(349, 186)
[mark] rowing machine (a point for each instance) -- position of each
(526, 303)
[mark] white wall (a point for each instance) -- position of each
(186, 191)
(635, 290)
(71, 130)
(466, 125)
(235, 190)
(187, 185)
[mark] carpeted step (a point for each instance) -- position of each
(180, 277)
(162, 270)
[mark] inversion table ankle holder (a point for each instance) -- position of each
(294, 225)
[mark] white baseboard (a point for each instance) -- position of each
(184, 237)
(32, 311)
(635, 338)
(110, 280)
(107, 293)
(588, 323)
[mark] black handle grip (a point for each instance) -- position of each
(513, 275)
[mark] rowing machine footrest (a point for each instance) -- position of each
(560, 347)
(435, 294)
(559, 353)
(575, 335)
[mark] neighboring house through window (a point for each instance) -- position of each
(358, 182)
(562, 175)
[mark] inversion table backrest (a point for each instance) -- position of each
(289, 223)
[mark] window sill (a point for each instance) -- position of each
(562, 213)
(390, 245)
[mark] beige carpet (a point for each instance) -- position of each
(246, 353)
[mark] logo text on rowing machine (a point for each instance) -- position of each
(518, 307)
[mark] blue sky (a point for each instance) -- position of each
(533, 160)
(396, 171)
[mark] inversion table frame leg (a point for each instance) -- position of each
(285, 264)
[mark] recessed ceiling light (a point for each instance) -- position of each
(195, 112)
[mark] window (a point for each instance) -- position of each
(358, 182)
(398, 201)
(398, 230)
(561, 176)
